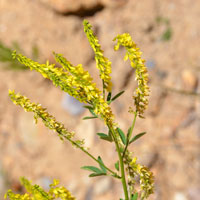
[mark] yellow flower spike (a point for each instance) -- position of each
(102, 63)
(146, 177)
(35, 192)
(48, 120)
(92, 93)
(73, 85)
(134, 55)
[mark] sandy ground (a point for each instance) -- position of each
(168, 35)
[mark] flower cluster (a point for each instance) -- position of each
(48, 120)
(36, 192)
(74, 80)
(146, 177)
(134, 55)
(82, 89)
(102, 63)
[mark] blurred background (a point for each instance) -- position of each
(168, 34)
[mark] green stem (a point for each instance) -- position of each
(85, 151)
(91, 156)
(123, 178)
(130, 133)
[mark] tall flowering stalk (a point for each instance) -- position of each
(102, 63)
(134, 55)
(78, 83)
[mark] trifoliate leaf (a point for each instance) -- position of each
(104, 136)
(137, 137)
(92, 168)
(102, 165)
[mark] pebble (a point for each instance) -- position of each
(71, 105)
(189, 79)
(179, 196)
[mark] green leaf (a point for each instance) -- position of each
(91, 117)
(137, 137)
(97, 174)
(91, 109)
(104, 136)
(92, 112)
(122, 135)
(92, 168)
(88, 107)
(117, 165)
(116, 96)
(134, 197)
(102, 164)
(109, 96)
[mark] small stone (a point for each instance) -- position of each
(189, 79)
(71, 105)
(180, 196)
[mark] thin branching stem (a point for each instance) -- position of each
(123, 177)
(130, 133)
(91, 156)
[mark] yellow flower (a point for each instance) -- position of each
(146, 177)
(134, 55)
(48, 120)
(102, 63)
(74, 80)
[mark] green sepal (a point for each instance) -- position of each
(117, 165)
(97, 174)
(134, 197)
(122, 135)
(90, 117)
(92, 168)
(104, 136)
(137, 137)
(102, 165)
(115, 97)
(109, 96)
